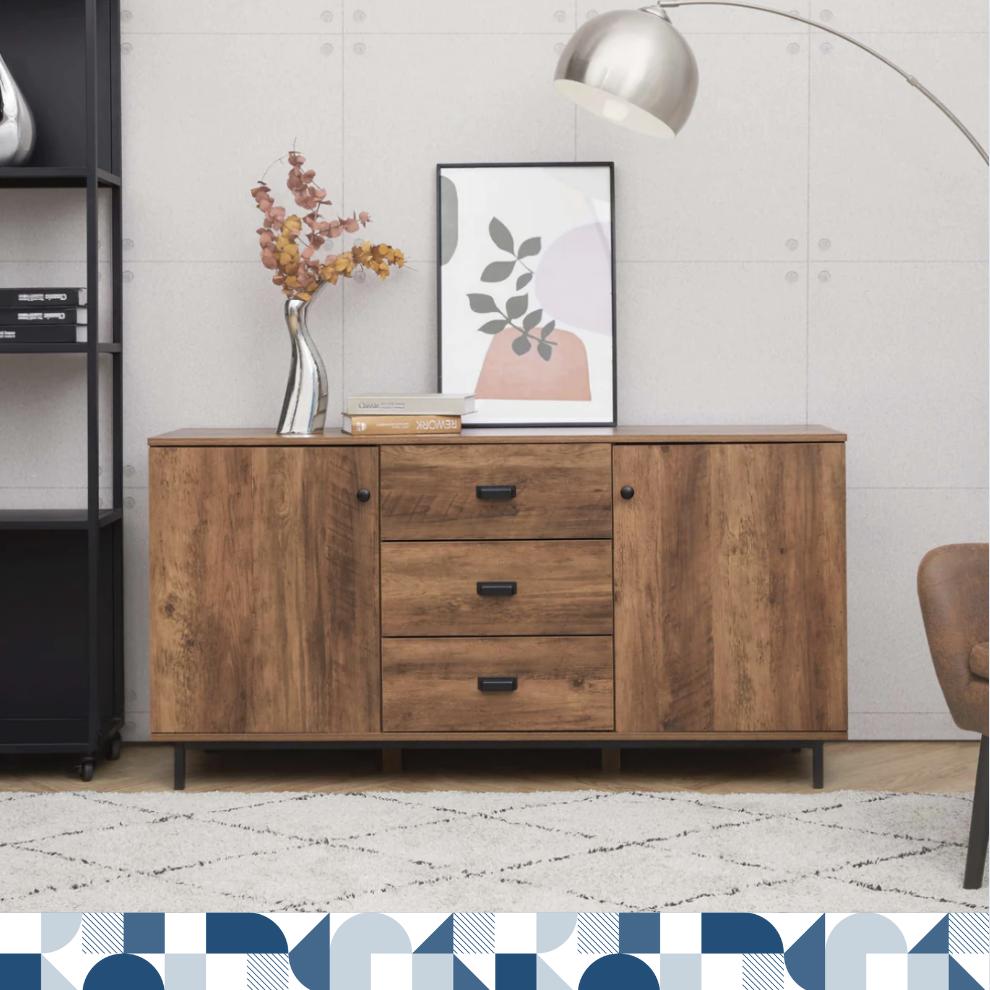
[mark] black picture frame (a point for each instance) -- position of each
(610, 166)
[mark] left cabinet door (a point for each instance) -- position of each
(264, 590)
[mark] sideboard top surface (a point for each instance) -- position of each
(229, 437)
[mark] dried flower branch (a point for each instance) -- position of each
(290, 243)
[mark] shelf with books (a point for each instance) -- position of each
(61, 570)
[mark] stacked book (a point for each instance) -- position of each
(42, 316)
(406, 415)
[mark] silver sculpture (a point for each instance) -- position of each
(16, 121)
(304, 410)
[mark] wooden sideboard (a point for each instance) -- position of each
(600, 587)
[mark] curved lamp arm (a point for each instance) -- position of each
(659, 8)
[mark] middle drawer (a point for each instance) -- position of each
(510, 588)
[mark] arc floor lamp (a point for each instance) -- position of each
(634, 68)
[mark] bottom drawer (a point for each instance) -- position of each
(497, 684)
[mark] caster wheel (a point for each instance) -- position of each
(86, 770)
(112, 748)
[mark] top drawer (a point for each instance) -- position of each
(496, 491)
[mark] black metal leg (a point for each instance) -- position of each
(611, 760)
(818, 765)
(180, 766)
(976, 857)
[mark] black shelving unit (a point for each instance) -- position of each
(61, 570)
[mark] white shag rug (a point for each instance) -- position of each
(466, 851)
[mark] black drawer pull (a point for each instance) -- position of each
(497, 589)
(495, 493)
(497, 684)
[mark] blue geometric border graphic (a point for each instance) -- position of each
(483, 951)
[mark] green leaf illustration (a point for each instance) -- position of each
(529, 247)
(516, 306)
(524, 280)
(532, 319)
(497, 271)
(547, 329)
(544, 350)
(480, 303)
(501, 236)
(521, 345)
(492, 327)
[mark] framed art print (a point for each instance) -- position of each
(526, 291)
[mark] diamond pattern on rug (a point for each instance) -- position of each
(303, 817)
(552, 850)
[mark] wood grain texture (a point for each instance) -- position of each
(562, 491)
(563, 586)
(548, 738)
(730, 588)
(220, 437)
(564, 683)
(264, 590)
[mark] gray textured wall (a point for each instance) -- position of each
(812, 248)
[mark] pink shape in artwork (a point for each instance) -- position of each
(507, 375)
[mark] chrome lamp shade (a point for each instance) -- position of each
(633, 68)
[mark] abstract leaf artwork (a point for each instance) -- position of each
(517, 307)
(526, 291)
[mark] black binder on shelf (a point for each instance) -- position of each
(11, 298)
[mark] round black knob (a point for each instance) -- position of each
(363, 495)
(627, 491)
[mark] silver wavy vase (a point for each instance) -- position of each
(16, 121)
(304, 410)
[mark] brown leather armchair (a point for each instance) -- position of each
(953, 587)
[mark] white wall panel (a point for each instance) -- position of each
(898, 725)
(472, 98)
(390, 334)
(226, 17)
(208, 346)
(47, 225)
(710, 343)
(709, 20)
(891, 177)
(898, 357)
(860, 16)
(890, 668)
(733, 184)
(203, 121)
(458, 16)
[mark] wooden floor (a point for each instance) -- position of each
(893, 766)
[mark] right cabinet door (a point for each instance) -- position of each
(730, 587)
